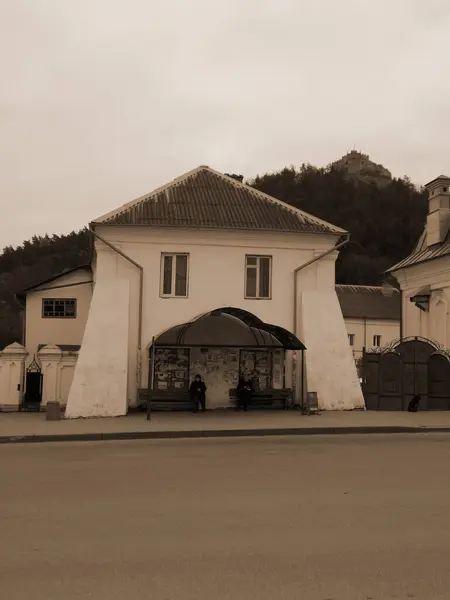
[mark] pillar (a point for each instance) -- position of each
(12, 369)
(49, 357)
(288, 369)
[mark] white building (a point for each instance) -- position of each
(371, 314)
(418, 366)
(424, 276)
(219, 278)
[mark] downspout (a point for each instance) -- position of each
(365, 332)
(401, 315)
(141, 278)
(310, 262)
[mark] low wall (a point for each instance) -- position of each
(56, 367)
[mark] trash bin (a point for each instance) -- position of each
(53, 411)
(312, 403)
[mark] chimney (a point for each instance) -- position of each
(438, 219)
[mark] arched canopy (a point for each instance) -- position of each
(229, 327)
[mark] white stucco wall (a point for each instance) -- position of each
(99, 386)
(55, 331)
(330, 366)
(216, 279)
(365, 329)
(433, 324)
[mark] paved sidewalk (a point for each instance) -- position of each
(32, 427)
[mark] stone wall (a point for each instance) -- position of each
(57, 368)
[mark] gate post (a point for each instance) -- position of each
(50, 356)
(12, 368)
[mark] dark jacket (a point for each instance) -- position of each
(197, 389)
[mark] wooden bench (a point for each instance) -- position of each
(160, 400)
(270, 398)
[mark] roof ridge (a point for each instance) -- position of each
(293, 209)
(296, 213)
(158, 190)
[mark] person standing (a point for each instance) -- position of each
(197, 390)
(243, 393)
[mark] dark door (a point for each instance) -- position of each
(438, 382)
(390, 383)
(413, 367)
(33, 388)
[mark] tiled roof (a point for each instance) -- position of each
(204, 198)
(369, 302)
(422, 253)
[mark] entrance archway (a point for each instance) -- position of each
(413, 366)
(33, 387)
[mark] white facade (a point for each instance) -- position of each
(217, 279)
(370, 333)
(424, 276)
(431, 322)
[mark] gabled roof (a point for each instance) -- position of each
(423, 253)
(369, 302)
(21, 295)
(204, 198)
(57, 276)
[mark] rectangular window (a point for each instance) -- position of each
(174, 275)
(351, 339)
(377, 340)
(59, 308)
(258, 277)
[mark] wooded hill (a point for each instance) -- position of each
(385, 224)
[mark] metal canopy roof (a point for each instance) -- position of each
(229, 327)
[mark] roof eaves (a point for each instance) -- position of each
(225, 228)
(417, 258)
(50, 279)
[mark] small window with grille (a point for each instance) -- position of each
(59, 308)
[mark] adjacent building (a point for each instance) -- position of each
(424, 276)
(418, 366)
(372, 315)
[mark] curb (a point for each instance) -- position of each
(216, 433)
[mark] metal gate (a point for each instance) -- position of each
(33, 386)
(393, 375)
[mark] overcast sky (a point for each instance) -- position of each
(103, 100)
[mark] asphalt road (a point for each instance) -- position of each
(323, 518)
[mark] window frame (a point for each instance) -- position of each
(351, 339)
(257, 269)
(174, 272)
(74, 300)
(374, 344)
